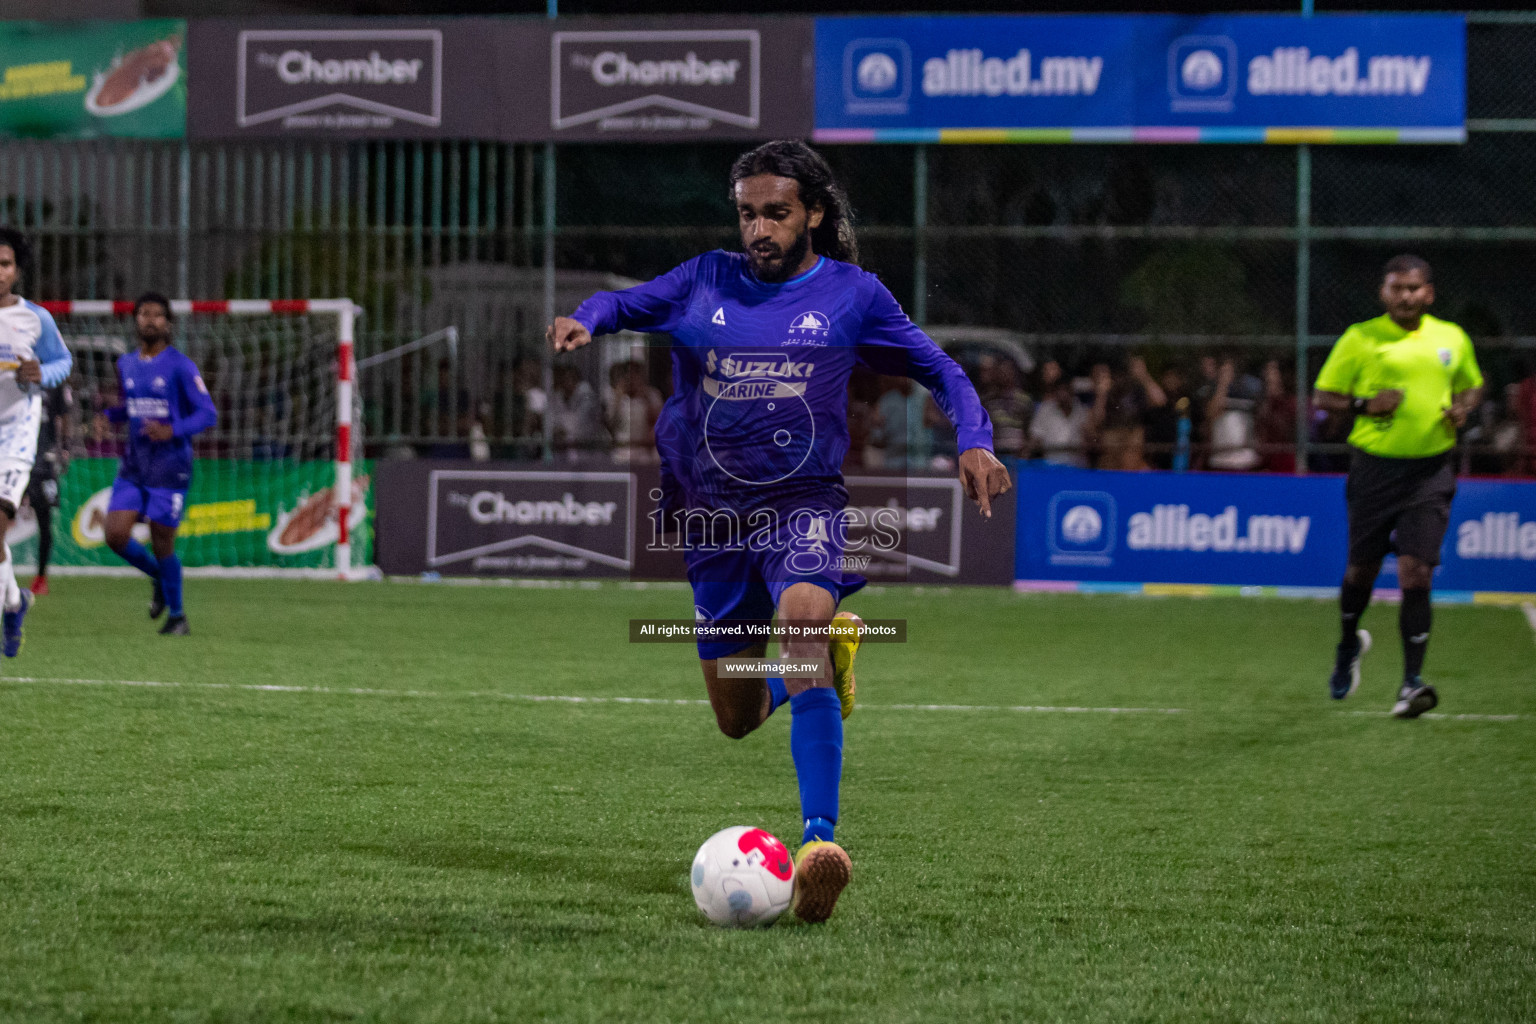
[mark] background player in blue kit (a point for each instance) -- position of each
(164, 404)
(32, 357)
(754, 437)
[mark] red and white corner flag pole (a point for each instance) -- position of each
(345, 372)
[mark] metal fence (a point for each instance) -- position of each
(1080, 253)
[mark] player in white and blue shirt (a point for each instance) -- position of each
(165, 403)
(32, 358)
(755, 434)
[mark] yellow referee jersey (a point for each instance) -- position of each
(1428, 365)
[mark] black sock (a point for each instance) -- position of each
(1413, 620)
(1353, 597)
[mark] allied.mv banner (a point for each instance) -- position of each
(1145, 78)
(1097, 529)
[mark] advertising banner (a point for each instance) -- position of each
(1152, 78)
(238, 513)
(1096, 529)
(498, 519)
(524, 519)
(347, 78)
(87, 80)
(657, 79)
(1491, 543)
(940, 536)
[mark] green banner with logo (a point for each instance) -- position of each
(238, 513)
(93, 79)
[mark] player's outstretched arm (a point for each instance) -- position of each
(983, 477)
(889, 342)
(202, 413)
(567, 335)
(653, 306)
(55, 360)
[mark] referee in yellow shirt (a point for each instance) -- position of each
(1410, 380)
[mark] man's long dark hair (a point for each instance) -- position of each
(791, 158)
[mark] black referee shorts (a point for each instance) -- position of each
(1401, 505)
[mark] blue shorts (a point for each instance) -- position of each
(163, 505)
(744, 580)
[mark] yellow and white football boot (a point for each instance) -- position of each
(844, 647)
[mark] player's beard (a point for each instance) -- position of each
(783, 265)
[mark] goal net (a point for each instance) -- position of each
(277, 484)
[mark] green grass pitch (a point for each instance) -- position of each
(432, 849)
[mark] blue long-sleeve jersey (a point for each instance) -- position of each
(165, 389)
(759, 408)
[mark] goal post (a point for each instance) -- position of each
(279, 491)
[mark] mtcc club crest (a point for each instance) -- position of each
(810, 328)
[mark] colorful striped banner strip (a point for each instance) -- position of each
(1479, 597)
(1151, 134)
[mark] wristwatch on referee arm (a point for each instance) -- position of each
(1361, 407)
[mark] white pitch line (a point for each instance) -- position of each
(360, 691)
(1443, 717)
(346, 691)
(547, 698)
(1024, 707)
(1530, 614)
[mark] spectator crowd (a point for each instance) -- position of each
(1221, 411)
(1212, 414)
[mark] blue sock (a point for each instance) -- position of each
(138, 556)
(816, 828)
(170, 583)
(777, 692)
(816, 744)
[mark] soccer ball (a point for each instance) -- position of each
(742, 878)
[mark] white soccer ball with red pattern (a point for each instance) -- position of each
(743, 877)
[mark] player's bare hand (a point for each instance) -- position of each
(30, 371)
(157, 431)
(1456, 415)
(567, 334)
(1384, 403)
(983, 477)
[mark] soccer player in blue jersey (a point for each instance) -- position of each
(755, 434)
(164, 404)
(32, 357)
